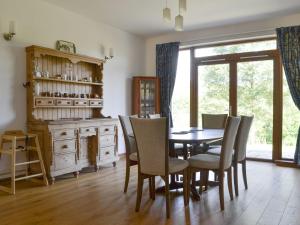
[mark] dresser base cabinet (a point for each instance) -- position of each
(69, 146)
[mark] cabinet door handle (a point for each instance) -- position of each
(39, 102)
(59, 102)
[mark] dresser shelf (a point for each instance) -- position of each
(67, 81)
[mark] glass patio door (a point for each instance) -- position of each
(255, 82)
(213, 89)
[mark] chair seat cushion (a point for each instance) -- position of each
(214, 151)
(204, 161)
(133, 156)
(176, 165)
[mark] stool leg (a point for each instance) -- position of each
(0, 146)
(13, 166)
(38, 149)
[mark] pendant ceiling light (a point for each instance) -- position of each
(179, 18)
(182, 6)
(167, 13)
(179, 23)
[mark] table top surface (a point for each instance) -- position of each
(194, 134)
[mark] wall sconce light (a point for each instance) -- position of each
(110, 55)
(12, 31)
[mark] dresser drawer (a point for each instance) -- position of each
(105, 130)
(64, 161)
(96, 103)
(87, 131)
(107, 153)
(64, 102)
(107, 140)
(64, 146)
(64, 134)
(44, 102)
(81, 103)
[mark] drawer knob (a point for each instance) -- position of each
(39, 102)
(87, 130)
(64, 133)
(65, 146)
(106, 153)
(59, 102)
(49, 102)
(106, 129)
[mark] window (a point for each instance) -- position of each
(180, 104)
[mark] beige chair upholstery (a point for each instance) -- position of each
(153, 154)
(214, 121)
(222, 163)
(240, 150)
(151, 142)
(130, 146)
(242, 137)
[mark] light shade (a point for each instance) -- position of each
(167, 14)
(182, 6)
(179, 23)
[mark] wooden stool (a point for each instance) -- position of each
(12, 137)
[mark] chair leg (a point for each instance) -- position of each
(185, 186)
(167, 193)
(235, 177)
(150, 188)
(188, 188)
(153, 187)
(244, 174)
(229, 183)
(221, 189)
(127, 177)
(139, 192)
(206, 175)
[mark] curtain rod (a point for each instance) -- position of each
(229, 37)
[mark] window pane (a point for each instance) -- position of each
(181, 94)
(290, 122)
(255, 97)
(213, 90)
(236, 48)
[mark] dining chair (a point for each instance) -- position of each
(130, 146)
(214, 121)
(218, 163)
(239, 156)
(153, 154)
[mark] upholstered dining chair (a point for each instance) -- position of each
(219, 163)
(214, 121)
(153, 154)
(240, 148)
(130, 145)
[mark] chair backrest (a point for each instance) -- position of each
(214, 121)
(130, 144)
(230, 132)
(152, 145)
(242, 138)
(154, 116)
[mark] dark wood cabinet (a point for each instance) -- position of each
(145, 96)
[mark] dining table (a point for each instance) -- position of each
(190, 138)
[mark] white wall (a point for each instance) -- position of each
(218, 34)
(41, 23)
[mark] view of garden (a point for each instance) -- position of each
(254, 97)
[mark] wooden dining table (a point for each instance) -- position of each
(191, 136)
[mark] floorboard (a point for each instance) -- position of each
(273, 198)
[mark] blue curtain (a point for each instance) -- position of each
(289, 44)
(166, 66)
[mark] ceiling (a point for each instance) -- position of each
(144, 17)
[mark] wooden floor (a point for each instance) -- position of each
(97, 198)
